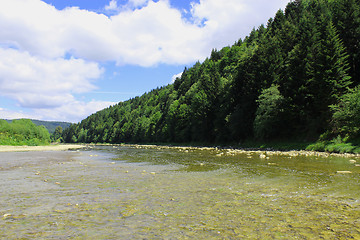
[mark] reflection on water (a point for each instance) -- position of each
(127, 192)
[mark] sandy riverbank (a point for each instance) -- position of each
(58, 147)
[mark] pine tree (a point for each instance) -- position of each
(327, 71)
(346, 18)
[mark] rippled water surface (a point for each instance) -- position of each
(130, 192)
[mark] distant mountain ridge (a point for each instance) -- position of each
(49, 125)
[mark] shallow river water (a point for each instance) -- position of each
(132, 192)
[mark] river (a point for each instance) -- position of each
(147, 192)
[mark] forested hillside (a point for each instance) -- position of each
(23, 132)
(49, 125)
(294, 79)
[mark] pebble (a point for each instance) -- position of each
(6, 215)
(272, 164)
(343, 172)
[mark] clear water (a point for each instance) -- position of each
(130, 192)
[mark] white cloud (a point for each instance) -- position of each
(112, 6)
(227, 21)
(138, 3)
(36, 41)
(157, 34)
(150, 34)
(41, 83)
(176, 76)
(73, 111)
(45, 87)
(9, 114)
(31, 25)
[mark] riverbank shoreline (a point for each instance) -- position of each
(57, 147)
(223, 151)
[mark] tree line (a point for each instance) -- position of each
(296, 78)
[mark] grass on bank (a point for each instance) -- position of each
(333, 146)
(336, 145)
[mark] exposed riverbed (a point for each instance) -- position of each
(132, 192)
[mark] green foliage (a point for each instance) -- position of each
(23, 132)
(57, 135)
(267, 121)
(346, 18)
(277, 83)
(49, 125)
(346, 116)
(340, 148)
(337, 145)
(318, 146)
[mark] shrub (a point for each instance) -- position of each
(267, 119)
(346, 114)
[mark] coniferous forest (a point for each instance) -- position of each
(295, 79)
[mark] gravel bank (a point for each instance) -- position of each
(59, 147)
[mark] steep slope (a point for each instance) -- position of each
(278, 83)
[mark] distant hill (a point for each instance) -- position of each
(49, 125)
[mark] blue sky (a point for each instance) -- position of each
(66, 59)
